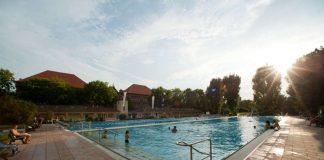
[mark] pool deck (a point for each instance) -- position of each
(51, 142)
(295, 141)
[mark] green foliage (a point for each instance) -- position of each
(195, 98)
(266, 87)
(246, 105)
(160, 98)
(215, 93)
(16, 111)
(306, 81)
(4, 138)
(45, 91)
(6, 81)
(231, 91)
(99, 93)
(176, 97)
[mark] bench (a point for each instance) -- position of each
(13, 138)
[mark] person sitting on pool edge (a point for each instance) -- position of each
(105, 134)
(267, 125)
(275, 125)
(126, 136)
(174, 129)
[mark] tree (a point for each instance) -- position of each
(7, 81)
(215, 95)
(176, 97)
(16, 111)
(45, 91)
(231, 91)
(306, 81)
(266, 87)
(159, 95)
(246, 105)
(99, 93)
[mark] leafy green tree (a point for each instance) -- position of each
(177, 97)
(16, 111)
(246, 105)
(194, 98)
(199, 99)
(231, 91)
(7, 81)
(266, 87)
(189, 98)
(306, 81)
(215, 95)
(45, 91)
(159, 95)
(99, 93)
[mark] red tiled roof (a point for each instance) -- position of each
(68, 78)
(139, 89)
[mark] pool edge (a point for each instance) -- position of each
(110, 152)
(247, 149)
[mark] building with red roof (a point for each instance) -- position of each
(68, 78)
(139, 90)
(138, 95)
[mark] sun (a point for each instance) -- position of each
(282, 67)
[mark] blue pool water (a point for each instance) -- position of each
(157, 142)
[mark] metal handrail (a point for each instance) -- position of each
(115, 134)
(191, 148)
(103, 129)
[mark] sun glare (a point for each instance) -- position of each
(282, 67)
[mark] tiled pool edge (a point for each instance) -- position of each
(247, 149)
(110, 152)
(253, 145)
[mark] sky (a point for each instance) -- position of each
(180, 43)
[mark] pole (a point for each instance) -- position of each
(190, 152)
(152, 102)
(210, 149)
(124, 98)
(99, 136)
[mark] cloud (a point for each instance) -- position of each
(156, 43)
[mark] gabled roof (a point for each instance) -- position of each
(139, 89)
(68, 78)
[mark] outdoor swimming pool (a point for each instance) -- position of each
(157, 142)
(75, 126)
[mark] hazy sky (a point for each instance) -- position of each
(180, 43)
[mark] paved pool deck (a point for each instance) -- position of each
(295, 141)
(50, 142)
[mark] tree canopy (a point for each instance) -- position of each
(45, 91)
(14, 111)
(7, 81)
(99, 93)
(231, 91)
(306, 81)
(215, 93)
(266, 87)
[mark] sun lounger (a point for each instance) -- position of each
(14, 138)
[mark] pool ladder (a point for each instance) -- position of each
(193, 148)
(99, 137)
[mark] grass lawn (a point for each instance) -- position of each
(4, 138)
